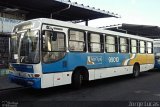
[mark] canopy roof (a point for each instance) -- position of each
(56, 9)
(142, 30)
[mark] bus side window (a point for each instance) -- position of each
(77, 41)
(134, 46)
(123, 43)
(111, 44)
(149, 47)
(53, 46)
(46, 41)
(95, 42)
(142, 47)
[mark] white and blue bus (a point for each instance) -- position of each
(47, 53)
(156, 48)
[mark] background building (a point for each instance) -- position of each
(8, 19)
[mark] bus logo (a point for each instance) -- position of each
(91, 60)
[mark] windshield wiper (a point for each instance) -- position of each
(22, 58)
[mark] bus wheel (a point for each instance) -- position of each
(136, 70)
(77, 79)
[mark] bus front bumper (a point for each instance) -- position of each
(28, 82)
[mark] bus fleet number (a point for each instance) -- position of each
(113, 59)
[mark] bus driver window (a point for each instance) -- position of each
(47, 41)
(53, 46)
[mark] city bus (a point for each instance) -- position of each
(156, 48)
(48, 53)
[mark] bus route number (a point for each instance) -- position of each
(113, 59)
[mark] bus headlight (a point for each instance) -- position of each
(33, 75)
(11, 68)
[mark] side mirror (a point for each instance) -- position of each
(54, 36)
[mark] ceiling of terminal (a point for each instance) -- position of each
(142, 30)
(56, 9)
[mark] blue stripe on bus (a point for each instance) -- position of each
(89, 60)
(23, 68)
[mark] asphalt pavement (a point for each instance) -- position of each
(6, 84)
(121, 91)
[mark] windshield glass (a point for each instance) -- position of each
(25, 47)
(14, 47)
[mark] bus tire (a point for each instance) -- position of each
(136, 70)
(77, 79)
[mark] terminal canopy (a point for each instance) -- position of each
(142, 30)
(56, 9)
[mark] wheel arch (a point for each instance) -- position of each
(137, 64)
(83, 70)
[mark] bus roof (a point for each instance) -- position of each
(86, 28)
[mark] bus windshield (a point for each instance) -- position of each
(25, 47)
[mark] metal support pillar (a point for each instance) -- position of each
(86, 22)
